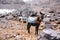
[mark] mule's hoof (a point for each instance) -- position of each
(28, 32)
(36, 33)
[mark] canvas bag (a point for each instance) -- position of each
(32, 19)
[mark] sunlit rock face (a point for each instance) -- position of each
(55, 4)
(10, 1)
(27, 1)
(31, 1)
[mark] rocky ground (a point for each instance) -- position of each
(15, 30)
(10, 26)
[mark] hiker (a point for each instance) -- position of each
(34, 20)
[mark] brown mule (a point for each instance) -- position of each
(38, 21)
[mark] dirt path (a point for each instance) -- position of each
(17, 29)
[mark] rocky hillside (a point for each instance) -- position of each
(35, 4)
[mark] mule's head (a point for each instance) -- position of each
(42, 15)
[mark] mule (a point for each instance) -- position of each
(39, 20)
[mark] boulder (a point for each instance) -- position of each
(49, 34)
(9, 17)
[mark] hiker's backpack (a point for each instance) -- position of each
(32, 19)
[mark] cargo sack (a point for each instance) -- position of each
(32, 19)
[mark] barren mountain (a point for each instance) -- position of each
(55, 4)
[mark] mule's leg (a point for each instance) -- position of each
(36, 29)
(28, 27)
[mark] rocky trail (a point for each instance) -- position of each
(14, 30)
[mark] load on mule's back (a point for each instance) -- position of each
(34, 20)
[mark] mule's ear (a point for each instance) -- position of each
(41, 13)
